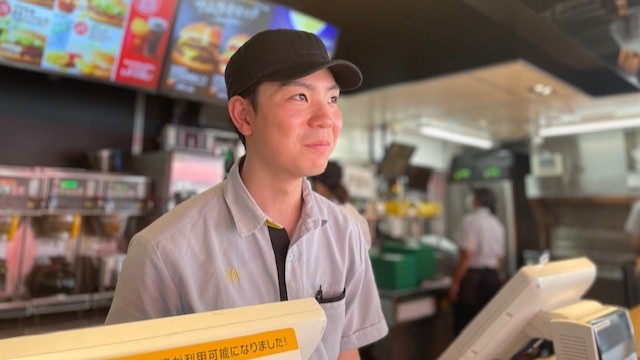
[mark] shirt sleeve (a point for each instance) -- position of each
(360, 220)
(144, 289)
(468, 234)
(503, 241)
(364, 323)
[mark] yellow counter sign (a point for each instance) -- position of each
(246, 347)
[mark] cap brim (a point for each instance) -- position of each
(346, 74)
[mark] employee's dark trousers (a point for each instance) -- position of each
(476, 289)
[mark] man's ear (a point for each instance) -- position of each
(240, 110)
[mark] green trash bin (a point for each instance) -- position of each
(424, 254)
(395, 271)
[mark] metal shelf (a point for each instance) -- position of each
(55, 304)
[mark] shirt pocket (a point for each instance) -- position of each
(335, 313)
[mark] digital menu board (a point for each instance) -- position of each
(121, 41)
(207, 32)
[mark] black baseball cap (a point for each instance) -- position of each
(284, 55)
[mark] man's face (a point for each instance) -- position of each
(296, 125)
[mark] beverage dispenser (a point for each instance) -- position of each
(63, 237)
(20, 200)
(70, 195)
(125, 198)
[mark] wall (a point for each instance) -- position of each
(594, 164)
(53, 121)
(358, 144)
(582, 210)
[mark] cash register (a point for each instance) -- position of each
(544, 301)
(288, 330)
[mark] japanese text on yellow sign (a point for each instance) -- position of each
(240, 348)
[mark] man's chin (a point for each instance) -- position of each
(317, 168)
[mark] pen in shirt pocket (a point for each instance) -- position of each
(321, 299)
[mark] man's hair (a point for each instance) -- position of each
(251, 94)
(485, 197)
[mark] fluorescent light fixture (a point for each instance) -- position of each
(588, 127)
(455, 137)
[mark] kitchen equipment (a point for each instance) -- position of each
(56, 277)
(106, 160)
(84, 219)
(21, 195)
(178, 175)
(110, 267)
(126, 198)
(503, 172)
(3, 277)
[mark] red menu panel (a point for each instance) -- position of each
(145, 42)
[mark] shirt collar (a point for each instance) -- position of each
(248, 216)
(310, 218)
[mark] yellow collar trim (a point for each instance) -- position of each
(272, 224)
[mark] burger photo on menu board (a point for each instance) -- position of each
(232, 44)
(22, 45)
(97, 64)
(197, 47)
(110, 12)
(45, 3)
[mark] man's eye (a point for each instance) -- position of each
(333, 100)
(302, 97)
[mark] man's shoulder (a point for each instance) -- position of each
(187, 214)
(327, 209)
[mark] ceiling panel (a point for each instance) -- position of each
(458, 62)
(496, 99)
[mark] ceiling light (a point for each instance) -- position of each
(588, 127)
(541, 89)
(455, 137)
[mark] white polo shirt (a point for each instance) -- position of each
(483, 236)
(214, 252)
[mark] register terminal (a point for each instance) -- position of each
(288, 330)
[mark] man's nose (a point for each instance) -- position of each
(322, 116)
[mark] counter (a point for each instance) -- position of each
(420, 322)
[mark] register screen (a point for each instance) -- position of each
(614, 336)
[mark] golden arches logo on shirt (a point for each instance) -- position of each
(233, 276)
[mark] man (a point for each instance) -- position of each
(264, 224)
(477, 276)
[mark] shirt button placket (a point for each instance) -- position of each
(293, 287)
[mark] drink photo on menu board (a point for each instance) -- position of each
(145, 42)
(119, 41)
